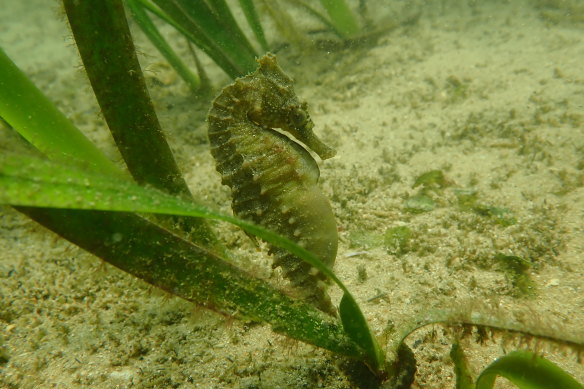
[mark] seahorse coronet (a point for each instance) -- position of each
(272, 176)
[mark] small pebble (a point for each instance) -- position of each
(553, 282)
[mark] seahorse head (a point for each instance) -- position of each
(281, 107)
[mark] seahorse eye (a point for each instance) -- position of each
(298, 117)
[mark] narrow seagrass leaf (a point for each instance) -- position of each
(31, 182)
(341, 17)
(101, 31)
(356, 327)
(36, 125)
(201, 25)
(151, 31)
(171, 263)
(225, 18)
(176, 18)
(249, 10)
(483, 315)
(528, 371)
(314, 12)
(461, 369)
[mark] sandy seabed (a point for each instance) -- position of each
(491, 94)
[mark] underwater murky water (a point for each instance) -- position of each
(457, 184)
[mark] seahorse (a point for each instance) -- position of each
(273, 178)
